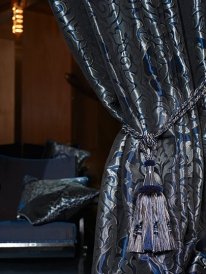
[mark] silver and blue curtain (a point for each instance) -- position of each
(144, 59)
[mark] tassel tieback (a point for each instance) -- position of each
(151, 229)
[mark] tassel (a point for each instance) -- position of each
(151, 230)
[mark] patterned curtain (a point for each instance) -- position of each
(144, 59)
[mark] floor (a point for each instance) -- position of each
(42, 266)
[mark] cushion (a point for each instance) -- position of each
(34, 187)
(20, 231)
(13, 170)
(45, 201)
(55, 149)
(83, 180)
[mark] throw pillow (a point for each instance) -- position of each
(56, 150)
(13, 170)
(45, 201)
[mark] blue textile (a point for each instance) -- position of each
(13, 170)
(21, 231)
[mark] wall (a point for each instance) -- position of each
(45, 95)
(46, 105)
(94, 128)
(51, 106)
(7, 79)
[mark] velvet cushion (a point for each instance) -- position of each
(55, 149)
(45, 201)
(20, 231)
(13, 170)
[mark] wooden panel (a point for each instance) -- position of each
(93, 128)
(46, 96)
(6, 91)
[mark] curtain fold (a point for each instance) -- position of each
(144, 59)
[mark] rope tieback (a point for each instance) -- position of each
(151, 228)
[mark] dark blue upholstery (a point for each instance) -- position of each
(35, 241)
(13, 170)
(20, 239)
(21, 231)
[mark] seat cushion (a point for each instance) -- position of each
(21, 232)
(13, 170)
(19, 239)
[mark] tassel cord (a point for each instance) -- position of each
(186, 106)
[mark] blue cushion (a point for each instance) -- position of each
(20, 231)
(13, 170)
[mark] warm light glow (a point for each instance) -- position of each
(17, 18)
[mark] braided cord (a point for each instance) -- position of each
(149, 140)
(186, 106)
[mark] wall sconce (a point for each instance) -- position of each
(18, 16)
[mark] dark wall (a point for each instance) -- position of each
(47, 106)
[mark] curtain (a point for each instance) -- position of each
(144, 59)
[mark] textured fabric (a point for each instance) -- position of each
(33, 187)
(144, 59)
(13, 170)
(58, 150)
(23, 232)
(46, 201)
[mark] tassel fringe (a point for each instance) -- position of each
(151, 231)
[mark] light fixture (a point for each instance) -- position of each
(18, 16)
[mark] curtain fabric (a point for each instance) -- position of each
(144, 58)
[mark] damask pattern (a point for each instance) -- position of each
(144, 58)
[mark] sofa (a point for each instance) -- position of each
(43, 194)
